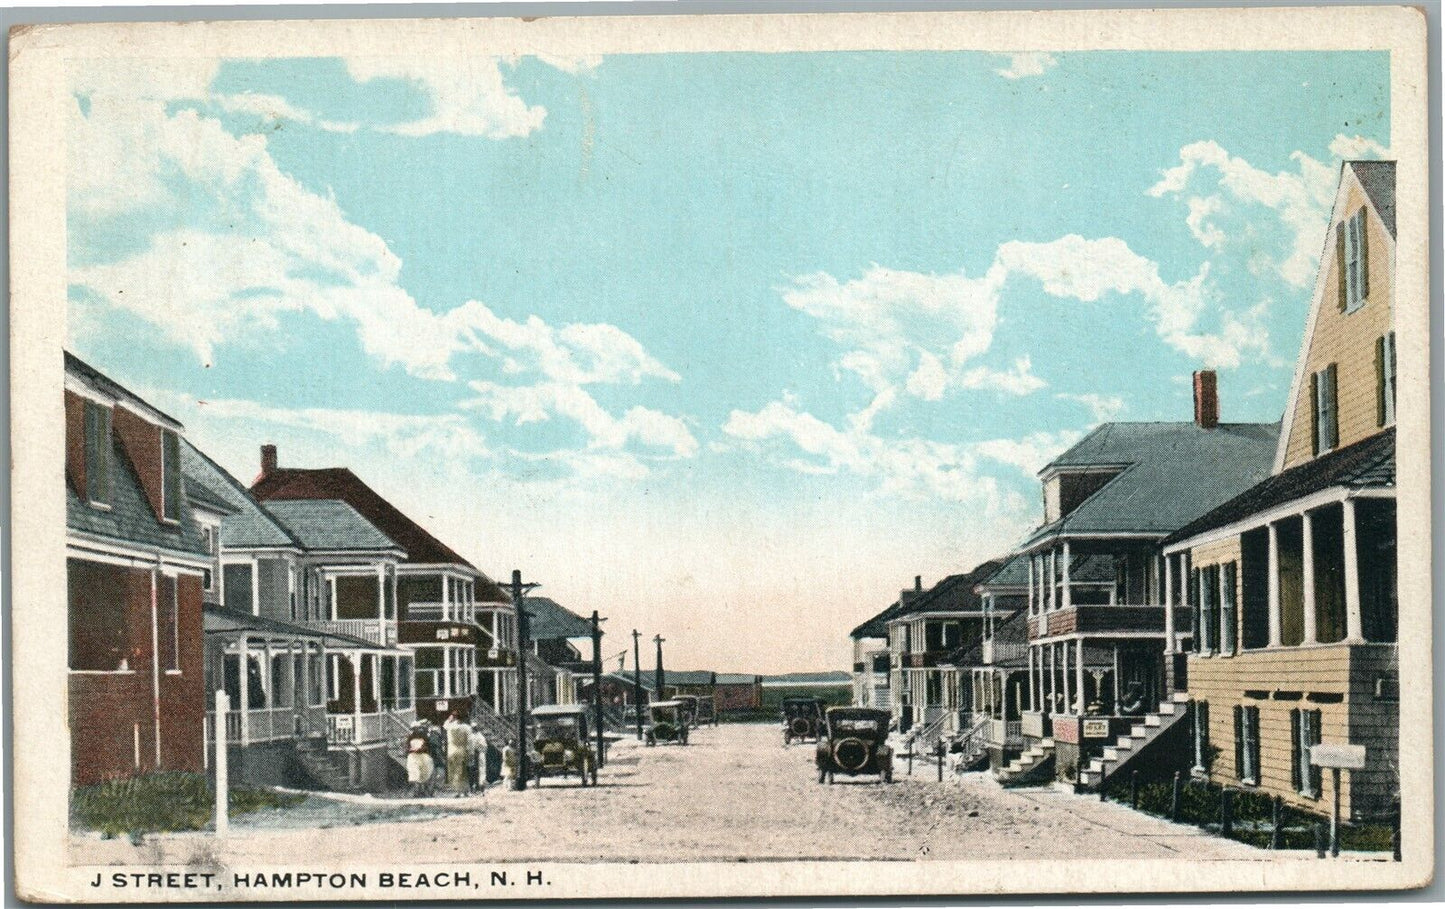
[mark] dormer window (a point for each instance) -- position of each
(1353, 252)
(98, 447)
(171, 475)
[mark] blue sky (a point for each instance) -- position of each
(689, 337)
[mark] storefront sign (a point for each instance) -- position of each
(1096, 728)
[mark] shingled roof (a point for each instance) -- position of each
(1366, 464)
(1012, 573)
(1171, 474)
(954, 593)
(1378, 180)
(548, 620)
(130, 517)
(341, 484)
(248, 526)
(329, 525)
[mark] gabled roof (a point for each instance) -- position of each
(1367, 464)
(1174, 473)
(249, 525)
(203, 497)
(548, 620)
(737, 678)
(329, 525)
(1378, 180)
(877, 627)
(702, 677)
(130, 518)
(341, 484)
(110, 387)
(1012, 573)
(954, 593)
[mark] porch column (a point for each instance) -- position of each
(1169, 642)
(1116, 677)
(1079, 677)
(1308, 559)
(331, 589)
(1068, 599)
(381, 595)
(1032, 610)
(357, 657)
(243, 648)
(1067, 681)
(1276, 638)
(1047, 659)
(255, 587)
(1053, 587)
(1354, 623)
(268, 683)
(446, 685)
(1033, 683)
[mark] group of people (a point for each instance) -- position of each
(452, 755)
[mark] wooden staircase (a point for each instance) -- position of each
(1149, 728)
(329, 767)
(1028, 766)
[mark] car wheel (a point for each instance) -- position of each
(594, 774)
(787, 739)
(832, 778)
(888, 775)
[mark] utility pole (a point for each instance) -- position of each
(519, 592)
(661, 677)
(597, 686)
(637, 680)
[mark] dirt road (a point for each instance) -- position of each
(734, 794)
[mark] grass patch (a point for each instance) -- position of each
(1252, 819)
(161, 802)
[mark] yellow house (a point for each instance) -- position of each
(1292, 584)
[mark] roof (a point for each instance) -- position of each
(876, 627)
(205, 498)
(114, 389)
(1010, 645)
(330, 525)
(1012, 573)
(130, 519)
(222, 619)
(340, 483)
(547, 620)
(559, 709)
(621, 678)
(1378, 180)
(736, 678)
(249, 525)
(1172, 473)
(1368, 464)
(699, 677)
(954, 593)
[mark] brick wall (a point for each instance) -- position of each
(142, 443)
(75, 441)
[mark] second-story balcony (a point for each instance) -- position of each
(1105, 620)
(442, 633)
(381, 632)
(465, 613)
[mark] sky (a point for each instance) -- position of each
(727, 346)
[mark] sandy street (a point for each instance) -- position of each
(734, 794)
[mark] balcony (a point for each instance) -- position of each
(1104, 620)
(438, 633)
(367, 728)
(377, 631)
(463, 613)
(925, 659)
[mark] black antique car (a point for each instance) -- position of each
(707, 710)
(855, 743)
(560, 743)
(690, 708)
(802, 719)
(666, 723)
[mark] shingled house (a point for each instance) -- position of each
(136, 556)
(459, 624)
(872, 658)
(1293, 581)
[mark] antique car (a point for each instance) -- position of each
(561, 745)
(666, 723)
(690, 708)
(854, 743)
(707, 710)
(802, 719)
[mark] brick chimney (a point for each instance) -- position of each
(1206, 399)
(268, 459)
(918, 583)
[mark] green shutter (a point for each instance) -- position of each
(1333, 396)
(1254, 757)
(1341, 267)
(1296, 779)
(1317, 782)
(1363, 251)
(1380, 381)
(1315, 413)
(1238, 742)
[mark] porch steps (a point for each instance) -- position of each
(1118, 755)
(1027, 766)
(331, 768)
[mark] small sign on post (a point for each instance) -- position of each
(223, 783)
(1336, 758)
(1096, 728)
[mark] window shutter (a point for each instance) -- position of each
(1315, 413)
(1380, 391)
(1332, 395)
(1363, 251)
(1341, 268)
(1238, 742)
(1296, 779)
(1317, 781)
(1254, 756)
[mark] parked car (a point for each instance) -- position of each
(854, 743)
(561, 745)
(802, 719)
(690, 708)
(707, 710)
(666, 723)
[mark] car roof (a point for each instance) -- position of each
(672, 703)
(559, 710)
(860, 713)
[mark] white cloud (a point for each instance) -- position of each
(537, 403)
(276, 108)
(1103, 407)
(1020, 380)
(1030, 453)
(1023, 65)
(468, 95)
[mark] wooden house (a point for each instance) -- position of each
(1292, 583)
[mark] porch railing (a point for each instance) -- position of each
(376, 631)
(441, 612)
(263, 725)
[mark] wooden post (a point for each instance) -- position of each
(1319, 828)
(223, 783)
(910, 759)
(1335, 814)
(1134, 789)
(1276, 837)
(938, 749)
(1395, 829)
(1226, 811)
(1177, 796)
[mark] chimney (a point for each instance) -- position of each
(918, 583)
(268, 459)
(1206, 399)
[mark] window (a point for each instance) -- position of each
(168, 631)
(1193, 586)
(1304, 733)
(1208, 592)
(208, 534)
(1201, 737)
(170, 475)
(1226, 608)
(98, 448)
(1352, 249)
(207, 581)
(1246, 745)
(333, 676)
(1323, 398)
(100, 640)
(1385, 378)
